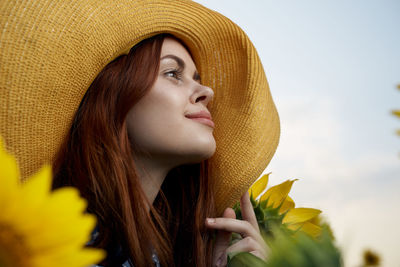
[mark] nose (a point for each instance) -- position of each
(202, 94)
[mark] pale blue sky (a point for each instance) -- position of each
(333, 67)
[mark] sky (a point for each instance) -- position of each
(333, 67)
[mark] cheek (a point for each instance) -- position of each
(157, 125)
(154, 120)
(162, 133)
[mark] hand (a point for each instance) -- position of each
(248, 228)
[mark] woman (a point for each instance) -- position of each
(143, 123)
(156, 107)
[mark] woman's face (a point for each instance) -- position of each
(170, 122)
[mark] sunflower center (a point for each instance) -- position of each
(13, 250)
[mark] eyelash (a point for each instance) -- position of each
(177, 74)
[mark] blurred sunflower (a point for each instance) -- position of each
(371, 258)
(397, 112)
(39, 227)
(296, 237)
(275, 204)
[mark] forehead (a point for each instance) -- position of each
(173, 47)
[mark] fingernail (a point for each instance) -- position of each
(210, 220)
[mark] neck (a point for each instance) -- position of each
(151, 175)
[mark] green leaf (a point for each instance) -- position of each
(245, 259)
(237, 210)
(259, 213)
(303, 251)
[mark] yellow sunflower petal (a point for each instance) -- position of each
(259, 186)
(68, 237)
(287, 204)
(306, 227)
(37, 188)
(311, 229)
(316, 220)
(43, 228)
(84, 258)
(9, 172)
(294, 226)
(33, 194)
(62, 199)
(59, 206)
(299, 215)
(277, 193)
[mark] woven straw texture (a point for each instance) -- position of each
(51, 51)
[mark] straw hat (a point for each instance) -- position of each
(51, 51)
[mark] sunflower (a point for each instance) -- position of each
(295, 236)
(397, 112)
(275, 204)
(39, 227)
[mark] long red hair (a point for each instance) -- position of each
(97, 157)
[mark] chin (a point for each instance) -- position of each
(208, 154)
(202, 152)
(208, 150)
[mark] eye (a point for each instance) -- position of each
(175, 73)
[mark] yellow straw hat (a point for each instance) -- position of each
(51, 51)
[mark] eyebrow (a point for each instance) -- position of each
(181, 64)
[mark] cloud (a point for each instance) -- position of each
(358, 192)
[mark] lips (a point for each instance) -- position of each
(203, 117)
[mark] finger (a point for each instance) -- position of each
(223, 236)
(244, 228)
(222, 240)
(249, 244)
(244, 245)
(248, 210)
